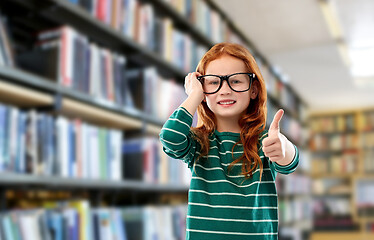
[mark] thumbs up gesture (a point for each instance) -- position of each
(276, 146)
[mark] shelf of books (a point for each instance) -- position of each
(85, 87)
(342, 169)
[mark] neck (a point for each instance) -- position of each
(228, 125)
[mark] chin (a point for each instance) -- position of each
(228, 114)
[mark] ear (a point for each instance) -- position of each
(253, 91)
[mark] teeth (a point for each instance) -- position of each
(228, 102)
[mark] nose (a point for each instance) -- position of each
(225, 89)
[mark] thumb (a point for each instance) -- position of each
(274, 126)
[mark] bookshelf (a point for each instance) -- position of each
(341, 169)
(26, 89)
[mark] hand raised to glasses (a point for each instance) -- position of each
(195, 92)
(192, 86)
(275, 146)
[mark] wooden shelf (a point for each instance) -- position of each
(301, 224)
(333, 175)
(150, 128)
(293, 195)
(93, 114)
(324, 195)
(22, 96)
(342, 235)
(14, 180)
(365, 219)
(328, 133)
(326, 153)
(364, 176)
(353, 176)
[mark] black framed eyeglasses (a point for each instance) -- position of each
(238, 82)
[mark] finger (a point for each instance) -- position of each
(268, 142)
(195, 75)
(187, 84)
(270, 149)
(272, 154)
(277, 117)
(190, 78)
(187, 77)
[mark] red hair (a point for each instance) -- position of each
(252, 123)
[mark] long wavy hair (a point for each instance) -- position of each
(252, 123)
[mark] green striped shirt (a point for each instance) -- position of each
(222, 204)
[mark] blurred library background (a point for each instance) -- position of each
(86, 85)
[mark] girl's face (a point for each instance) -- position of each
(227, 103)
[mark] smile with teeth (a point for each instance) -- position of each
(226, 102)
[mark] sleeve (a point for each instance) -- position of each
(291, 167)
(176, 137)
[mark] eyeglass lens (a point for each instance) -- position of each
(238, 82)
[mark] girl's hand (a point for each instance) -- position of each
(276, 146)
(193, 86)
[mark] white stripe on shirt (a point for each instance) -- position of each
(175, 119)
(188, 113)
(172, 142)
(223, 180)
(236, 194)
(175, 131)
(219, 168)
(231, 233)
(224, 153)
(230, 141)
(227, 206)
(231, 220)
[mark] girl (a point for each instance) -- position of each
(233, 159)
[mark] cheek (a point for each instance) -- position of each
(210, 101)
(245, 100)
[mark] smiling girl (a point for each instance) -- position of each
(234, 160)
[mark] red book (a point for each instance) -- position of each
(101, 10)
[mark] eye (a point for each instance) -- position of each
(235, 81)
(213, 83)
(212, 80)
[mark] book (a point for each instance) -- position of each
(119, 231)
(72, 223)
(7, 227)
(60, 220)
(55, 224)
(65, 56)
(30, 224)
(134, 222)
(6, 44)
(84, 221)
(132, 163)
(37, 143)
